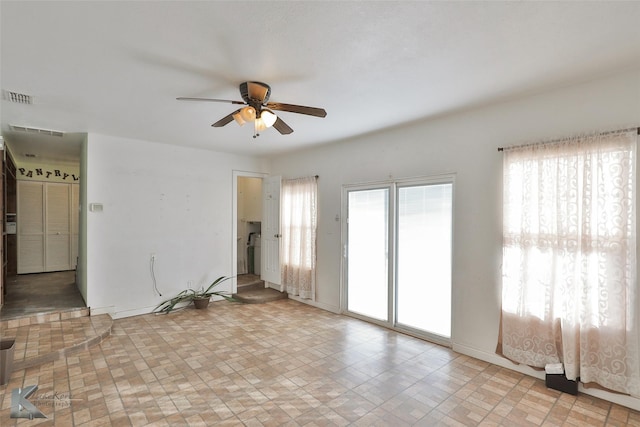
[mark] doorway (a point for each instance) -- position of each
(247, 230)
(40, 278)
(398, 250)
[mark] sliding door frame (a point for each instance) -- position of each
(344, 303)
(393, 187)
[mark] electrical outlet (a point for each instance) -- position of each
(153, 257)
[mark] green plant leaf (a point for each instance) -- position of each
(189, 295)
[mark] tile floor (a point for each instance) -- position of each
(286, 363)
(38, 342)
(29, 294)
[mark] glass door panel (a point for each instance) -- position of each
(367, 253)
(424, 233)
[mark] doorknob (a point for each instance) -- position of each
(277, 235)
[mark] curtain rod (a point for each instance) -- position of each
(563, 139)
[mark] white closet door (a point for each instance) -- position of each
(58, 227)
(30, 227)
(46, 218)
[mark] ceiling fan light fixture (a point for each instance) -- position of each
(238, 118)
(259, 126)
(248, 114)
(268, 118)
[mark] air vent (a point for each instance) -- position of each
(19, 98)
(35, 130)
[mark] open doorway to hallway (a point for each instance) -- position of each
(31, 294)
(250, 256)
(248, 230)
(40, 218)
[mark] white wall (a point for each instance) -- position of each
(171, 201)
(466, 144)
(250, 198)
(81, 268)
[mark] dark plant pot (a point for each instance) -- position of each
(201, 302)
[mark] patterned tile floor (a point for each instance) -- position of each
(285, 363)
(37, 343)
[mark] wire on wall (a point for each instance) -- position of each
(153, 275)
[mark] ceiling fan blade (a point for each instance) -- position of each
(228, 101)
(225, 120)
(282, 127)
(300, 109)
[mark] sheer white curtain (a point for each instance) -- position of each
(299, 225)
(569, 286)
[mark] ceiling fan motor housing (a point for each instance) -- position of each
(255, 92)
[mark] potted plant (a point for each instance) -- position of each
(200, 297)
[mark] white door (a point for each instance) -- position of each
(31, 232)
(46, 226)
(58, 227)
(270, 269)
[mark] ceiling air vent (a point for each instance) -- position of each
(35, 130)
(19, 98)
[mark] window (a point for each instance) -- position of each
(569, 258)
(299, 225)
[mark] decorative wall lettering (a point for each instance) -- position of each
(57, 174)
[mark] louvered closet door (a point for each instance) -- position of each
(30, 227)
(58, 227)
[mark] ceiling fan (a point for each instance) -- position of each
(258, 109)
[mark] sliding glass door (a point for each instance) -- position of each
(368, 253)
(398, 255)
(424, 258)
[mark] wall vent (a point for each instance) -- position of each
(19, 98)
(35, 130)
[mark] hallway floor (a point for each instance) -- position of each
(29, 294)
(286, 363)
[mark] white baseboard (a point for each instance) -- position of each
(110, 310)
(134, 312)
(620, 399)
(316, 304)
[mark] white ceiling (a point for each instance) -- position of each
(116, 67)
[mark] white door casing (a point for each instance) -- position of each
(270, 268)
